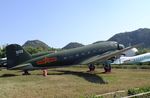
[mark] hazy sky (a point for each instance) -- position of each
(58, 22)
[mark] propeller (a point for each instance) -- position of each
(120, 46)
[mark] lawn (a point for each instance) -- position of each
(70, 82)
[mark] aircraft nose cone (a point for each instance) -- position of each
(121, 46)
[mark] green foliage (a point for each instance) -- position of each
(32, 50)
(143, 50)
(53, 49)
(131, 66)
(2, 51)
(138, 90)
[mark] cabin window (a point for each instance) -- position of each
(83, 53)
(77, 55)
(88, 52)
(65, 58)
(71, 56)
(94, 51)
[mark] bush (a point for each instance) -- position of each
(33, 50)
(138, 90)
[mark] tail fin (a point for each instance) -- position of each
(16, 55)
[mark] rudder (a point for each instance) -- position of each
(16, 55)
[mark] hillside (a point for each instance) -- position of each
(72, 45)
(36, 44)
(133, 37)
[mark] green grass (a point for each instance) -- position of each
(138, 90)
(70, 82)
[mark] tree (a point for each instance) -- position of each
(3, 51)
(32, 50)
(142, 51)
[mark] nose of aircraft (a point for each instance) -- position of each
(120, 46)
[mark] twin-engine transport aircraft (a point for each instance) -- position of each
(19, 59)
(134, 59)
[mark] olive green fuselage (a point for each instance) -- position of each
(72, 56)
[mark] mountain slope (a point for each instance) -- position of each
(134, 37)
(36, 44)
(72, 45)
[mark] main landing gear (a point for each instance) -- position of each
(107, 67)
(91, 68)
(26, 72)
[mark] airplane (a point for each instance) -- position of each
(20, 59)
(3, 62)
(134, 59)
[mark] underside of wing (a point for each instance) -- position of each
(106, 56)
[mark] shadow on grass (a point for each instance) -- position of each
(7, 75)
(93, 78)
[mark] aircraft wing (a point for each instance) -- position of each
(106, 56)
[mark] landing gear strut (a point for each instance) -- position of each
(91, 68)
(26, 72)
(107, 67)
